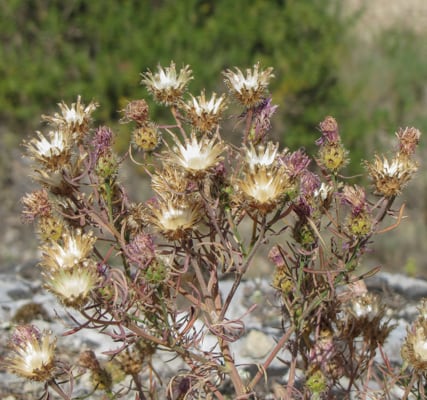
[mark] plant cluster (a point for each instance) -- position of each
(150, 274)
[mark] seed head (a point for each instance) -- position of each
(75, 119)
(175, 218)
(263, 189)
(52, 153)
(248, 90)
(72, 286)
(204, 115)
(171, 181)
(196, 156)
(137, 111)
(330, 132)
(50, 228)
(408, 140)
(32, 353)
(165, 85)
(146, 137)
(414, 348)
(390, 177)
(36, 205)
(333, 156)
(73, 249)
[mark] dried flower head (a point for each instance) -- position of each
(355, 197)
(102, 141)
(50, 228)
(389, 177)
(136, 218)
(137, 111)
(408, 140)
(72, 286)
(330, 132)
(249, 90)
(196, 156)
(204, 115)
(170, 181)
(147, 137)
(52, 153)
(32, 354)
(295, 163)
(131, 360)
(165, 85)
(73, 250)
(75, 119)
(366, 306)
(262, 119)
(414, 348)
(263, 189)
(36, 205)
(333, 156)
(141, 250)
(262, 156)
(175, 218)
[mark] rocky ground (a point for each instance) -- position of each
(22, 299)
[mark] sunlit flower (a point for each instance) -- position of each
(32, 354)
(72, 286)
(389, 177)
(74, 249)
(197, 156)
(204, 114)
(262, 156)
(74, 119)
(249, 90)
(165, 85)
(264, 189)
(53, 153)
(175, 219)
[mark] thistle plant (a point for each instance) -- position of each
(150, 274)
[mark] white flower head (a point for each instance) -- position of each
(166, 85)
(249, 90)
(52, 152)
(197, 156)
(262, 156)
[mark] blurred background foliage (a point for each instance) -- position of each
(325, 63)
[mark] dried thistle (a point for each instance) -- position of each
(166, 86)
(204, 115)
(390, 177)
(32, 353)
(74, 249)
(248, 90)
(74, 120)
